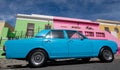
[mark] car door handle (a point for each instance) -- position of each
(47, 41)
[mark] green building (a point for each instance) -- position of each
(30, 25)
(26, 27)
(5, 33)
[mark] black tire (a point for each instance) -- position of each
(86, 59)
(52, 60)
(106, 55)
(37, 58)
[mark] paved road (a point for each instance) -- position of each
(73, 65)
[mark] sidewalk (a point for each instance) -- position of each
(5, 63)
(117, 56)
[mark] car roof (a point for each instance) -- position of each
(61, 29)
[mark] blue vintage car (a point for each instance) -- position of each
(59, 44)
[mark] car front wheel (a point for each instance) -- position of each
(37, 58)
(106, 55)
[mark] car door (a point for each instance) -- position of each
(79, 46)
(56, 44)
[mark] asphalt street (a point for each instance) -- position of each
(73, 65)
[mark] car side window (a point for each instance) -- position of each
(55, 34)
(74, 35)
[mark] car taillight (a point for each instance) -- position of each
(4, 48)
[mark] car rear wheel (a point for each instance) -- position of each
(37, 58)
(106, 55)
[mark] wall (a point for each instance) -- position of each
(21, 26)
(3, 38)
(85, 27)
(1, 27)
(5, 29)
(111, 28)
(4, 32)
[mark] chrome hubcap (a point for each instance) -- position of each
(37, 58)
(107, 54)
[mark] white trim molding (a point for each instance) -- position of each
(35, 17)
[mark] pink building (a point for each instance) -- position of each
(89, 28)
(86, 27)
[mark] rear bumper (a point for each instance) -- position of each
(3, 54)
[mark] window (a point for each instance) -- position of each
(89, 28)
(116, 30)
(107, 29)
(100, 34)
(30, 29)
(81, 32)
(90, 34)
(48, 26)
(75, 27)
(55, 34)
(74, 35)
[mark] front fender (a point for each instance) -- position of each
(99, 44)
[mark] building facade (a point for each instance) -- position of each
(5, 32)
(5, 28)
(30, 25)
(112, 27)
(86, 27)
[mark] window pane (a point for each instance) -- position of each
(73, 35)
(107, 29)
(70, 33)
(48, 26)
(55, 34)
(100, 34)
(116, 30)
(30, 26)
(49, 35)
(30, 29)
(30, 32)
(88, 33)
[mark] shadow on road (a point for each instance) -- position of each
(70, 62)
